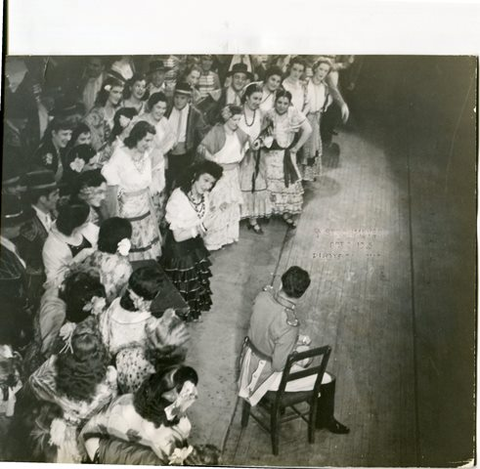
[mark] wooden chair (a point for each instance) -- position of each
(275, 403)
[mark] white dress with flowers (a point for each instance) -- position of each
(256, 199)
(285, 199)
(135, 202)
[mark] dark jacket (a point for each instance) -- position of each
(196, 128)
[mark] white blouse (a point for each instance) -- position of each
(180, 213)
(57, 256)
(298, 94)
(121, 171)
(318, 97)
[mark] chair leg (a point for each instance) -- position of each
(274, 430)
(245, 413)
(311, 421)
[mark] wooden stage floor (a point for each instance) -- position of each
(362, 240)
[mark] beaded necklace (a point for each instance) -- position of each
(199, 206)
(245, 117)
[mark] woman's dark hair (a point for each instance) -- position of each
(128, 112)
(146, 282)
(193, 173)
(80, 129)
(283, 93)
(273, 71)
(84, 152)
(139, 131)
(149, 400)
(71, 216)
(102, 95)
(127, 92)
(250, 89)
(82, 183)
(112, 231)
(156, 98)
(233, 111)
(299, 61)
(91, 178)
(55, 125)
(295, 282)
(188, 70)
(80, 370)
(78, 288)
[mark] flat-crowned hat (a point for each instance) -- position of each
(183, 88)
(13, 213)
(12, 174)
(66, 107)
(42, 179)
(240, 68)
(156, 66)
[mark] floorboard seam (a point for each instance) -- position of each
(414, 323)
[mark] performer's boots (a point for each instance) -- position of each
(326, 408)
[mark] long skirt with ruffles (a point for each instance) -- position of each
(253, 183)
(311, 154)
(187, 264)
(284, 199)
(137, 207)
(225, 201)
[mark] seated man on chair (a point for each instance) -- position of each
(273, 335)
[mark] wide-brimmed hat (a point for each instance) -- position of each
(240, 68)
(157, 66)
(13, 212)
(183, 88)
(12, 173)
(42, 179)
(66, 107)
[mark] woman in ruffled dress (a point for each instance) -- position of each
(79, 383)
(225, 144)
(319, 99)
(129, 178)
(256, 199)
(290, 130)
(163, 142)
(100, 118)
(186, 260)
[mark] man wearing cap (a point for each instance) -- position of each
(13, 182)
(272, 336)
(43, 194)
(189, 127)
(233, 93)
(156, 74)
(15, 310)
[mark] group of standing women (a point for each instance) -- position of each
(250, 165)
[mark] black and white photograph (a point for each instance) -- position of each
(225, 257)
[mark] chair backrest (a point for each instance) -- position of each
(320, 356)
